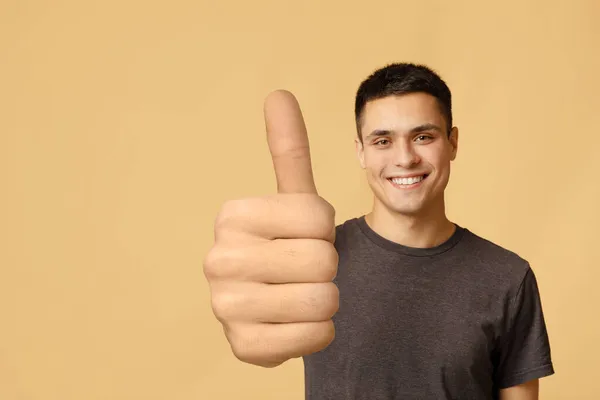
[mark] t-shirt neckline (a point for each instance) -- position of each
(411, 251)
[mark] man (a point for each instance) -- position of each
(400, 303)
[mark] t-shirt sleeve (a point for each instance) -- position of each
(524, 349)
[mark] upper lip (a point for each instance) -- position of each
(406, 176)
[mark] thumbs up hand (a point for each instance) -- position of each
(271, 268)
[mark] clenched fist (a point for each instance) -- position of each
(271, 268)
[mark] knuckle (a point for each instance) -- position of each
(325, 214)
(331, 302)
(224, 304)
(325, 208)
(244, 347)
(323, 335)
(328, 209)
(221, 263)
(240, 351)
(239, 348)
(323, 302)
(230, 212)
(328, 333)
(211, 264)
(328, 261)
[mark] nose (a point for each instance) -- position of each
(405, 155)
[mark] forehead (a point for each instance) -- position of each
(401, 113)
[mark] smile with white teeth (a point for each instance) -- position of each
(408, 181)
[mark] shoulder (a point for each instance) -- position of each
(492, 261)
(481, 247)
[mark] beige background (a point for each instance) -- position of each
(124, 125)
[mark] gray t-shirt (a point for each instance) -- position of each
(457, 321)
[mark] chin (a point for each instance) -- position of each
(402, 207)
(406, 210)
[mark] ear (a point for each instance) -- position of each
(453, 139)
(360, 152)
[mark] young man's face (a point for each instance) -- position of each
(406, 137)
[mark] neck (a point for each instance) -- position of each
(425, 230)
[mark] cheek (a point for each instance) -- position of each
(438, 158)
(442, 171)
(376, 162)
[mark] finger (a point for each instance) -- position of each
(291, 216)
(267, 303)
(276, 343)
(288, 143)
(275, 261)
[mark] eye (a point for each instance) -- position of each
(423, 137)
(381, 142)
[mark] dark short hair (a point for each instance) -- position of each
(402, 78)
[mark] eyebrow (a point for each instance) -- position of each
(416, 129)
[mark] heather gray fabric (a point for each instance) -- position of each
(458, 321)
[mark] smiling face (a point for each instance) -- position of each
(406, 152)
